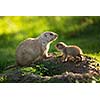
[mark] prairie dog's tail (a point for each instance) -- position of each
(11, 66)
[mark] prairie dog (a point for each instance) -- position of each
(71, 50)
(33, 49)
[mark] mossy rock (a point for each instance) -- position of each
(53, 70)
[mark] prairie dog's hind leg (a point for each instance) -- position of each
(65, 58)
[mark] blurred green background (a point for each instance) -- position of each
(83, 31)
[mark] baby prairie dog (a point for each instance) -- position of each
(33, 49)
(68, 51)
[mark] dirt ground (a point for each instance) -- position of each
(54, 70)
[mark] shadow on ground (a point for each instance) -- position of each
(53, 70)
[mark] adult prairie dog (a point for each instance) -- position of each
(71, 50)
(33, 49)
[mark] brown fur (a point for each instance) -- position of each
(68, 51)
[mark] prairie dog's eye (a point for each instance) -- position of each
(51, 34)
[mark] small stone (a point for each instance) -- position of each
(84, 66)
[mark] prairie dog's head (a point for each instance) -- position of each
(60, 46)
(49, 36)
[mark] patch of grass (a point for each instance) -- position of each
(96, 56)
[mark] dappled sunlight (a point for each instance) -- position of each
(95, 55)
(12, 24)
(9, 25)
(82, 31)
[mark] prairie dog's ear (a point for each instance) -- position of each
(46, 34)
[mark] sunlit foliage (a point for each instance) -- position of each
(83, 31)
